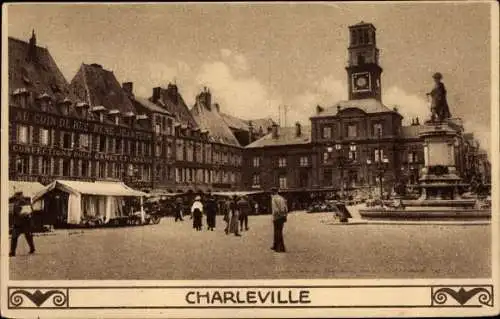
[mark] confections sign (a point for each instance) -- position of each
(88, 155)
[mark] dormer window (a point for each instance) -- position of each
(65, 109)
(65, 106)
(21, 97)
(83, 109)
(116, 116)
(100, 111)
(129, 118)
(45, 102)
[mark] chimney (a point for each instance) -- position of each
(319, 109)
(128, 87)
(172, 91)
(298, 129)
(156, 94)
(275, 131)
(32, 47)
(207, 97)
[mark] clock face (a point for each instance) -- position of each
(361, 82)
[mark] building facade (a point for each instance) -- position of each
(61, 131)
(96, 129)
(226, 156)
(355, 144)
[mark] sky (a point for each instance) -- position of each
(256, 57)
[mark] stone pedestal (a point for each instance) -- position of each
(439, 179)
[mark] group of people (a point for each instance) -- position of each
(235, 211)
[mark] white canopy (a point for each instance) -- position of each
(91, 188)
(29, 189)
(106, 204)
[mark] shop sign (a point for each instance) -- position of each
(76, 125)
(52, 151)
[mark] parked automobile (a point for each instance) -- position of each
(323, 207)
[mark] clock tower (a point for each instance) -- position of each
(363, 70)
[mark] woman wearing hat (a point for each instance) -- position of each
(234, 221)
(197, 213)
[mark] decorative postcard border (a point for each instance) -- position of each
(184, 297)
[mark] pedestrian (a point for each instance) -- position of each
(211, 211)
(224, 207)
(178, 207)
(244, 210)
(21, 223)
(197, 213)
(279, 212)
(256, 208)
(234, 221)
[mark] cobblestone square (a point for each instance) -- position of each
(316, 249)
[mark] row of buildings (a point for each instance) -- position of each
(93, 128)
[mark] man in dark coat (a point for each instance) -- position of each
(244, 208)
(178, 207)
(211, 211)
(21, 223)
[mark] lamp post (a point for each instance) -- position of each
(368, 163)
(340, 163)
(381, 168)
(329, 149)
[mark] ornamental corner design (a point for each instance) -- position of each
(462, 296)
(31, 298)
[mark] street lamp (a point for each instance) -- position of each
(382, 167)
(368, 163)
(341, 162)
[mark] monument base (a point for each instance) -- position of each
(427, 213)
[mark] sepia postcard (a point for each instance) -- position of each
(250, 159)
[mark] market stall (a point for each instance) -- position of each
(76, 202)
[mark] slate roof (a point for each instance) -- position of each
(234, 122)
(286, 136)
(263, 124)
(39, 76)
(99, 87)
(366, 105)
(147, 104)
(239, 124)
(208, 118)
(172, 101)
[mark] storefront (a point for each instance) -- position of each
(75, 202)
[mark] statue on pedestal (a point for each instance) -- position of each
(439, 105)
